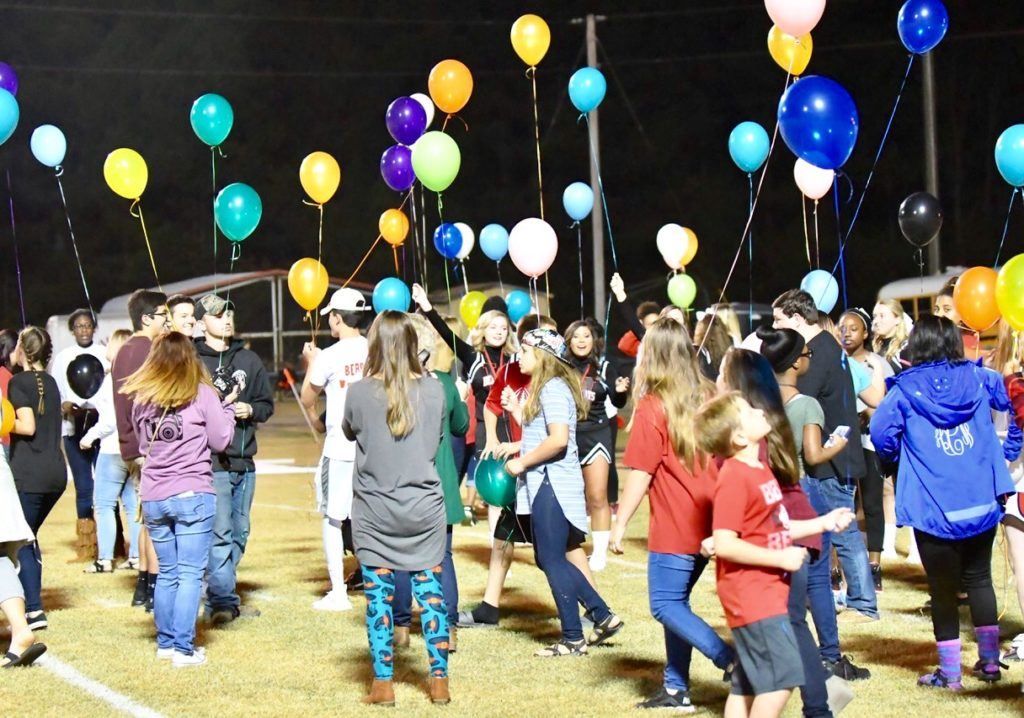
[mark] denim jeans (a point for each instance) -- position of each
(836, 493)
(36, 508)
(112, 483)
(813, 692)
(235, 491)
(449, 587)
(180, 528)
(819, 585)
(670, 581)
(81, 464)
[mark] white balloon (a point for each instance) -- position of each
(428, 105)
(532, 246)
(814, 182)
(672, 245)
(468, 240)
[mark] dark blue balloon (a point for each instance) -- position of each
(406, 119)
(922, 24)
(819, 121)
(448, 240)
(396, 168)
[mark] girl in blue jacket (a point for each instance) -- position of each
(952, 483)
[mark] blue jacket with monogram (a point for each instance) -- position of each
(936, 421)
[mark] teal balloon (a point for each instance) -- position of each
(748, 146)
(212, 119)
(494, 484)
(518, 303)
(586, 88)
(391, 294)
(9, 114)
(238, 210)
(682, 290)
(1010, 155)
(823, 288)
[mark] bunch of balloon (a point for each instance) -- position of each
(531, 38)
(320, 176)
(578, 200)
(494, 245)
(1010, 163)
(678, 246)
(307, 283)
(126, 174)
(212, 118)
(813, 183)
(9, 115)
(532, 246)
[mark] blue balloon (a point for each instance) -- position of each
(922, 24)
(578, 200)
(823, 288)
(391, 293)
(518, 303)
(1010, 155)
(586, 88)
(9, 114)
(819, 121)
(238, 210)
(748, 146)
(48, 145)
(448, 240)
(212, 118)
(494, 242)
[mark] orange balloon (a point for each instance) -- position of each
(691, 247)
(975, 298)
(7, 424)
(394, 226)
(307, 282)
(450, 84)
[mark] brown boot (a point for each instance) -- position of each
(453, 640)
(401, 637)
(439, 691)
(382, 693)
(82, 548)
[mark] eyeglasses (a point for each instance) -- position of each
(808, 353)
(163, 314)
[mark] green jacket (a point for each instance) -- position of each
(457, 423)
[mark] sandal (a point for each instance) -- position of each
(563, 648)
(27, 658)
(605, 629)
(99, 567)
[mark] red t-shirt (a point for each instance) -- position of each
(629, 344)
(748, 501)
(510, 376)
(680, 501)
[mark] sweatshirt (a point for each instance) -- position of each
(128, 360)
(105, 428)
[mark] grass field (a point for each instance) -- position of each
(295, 661)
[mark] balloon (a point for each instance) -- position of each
(394, 226)
(126, 173)
(578, 200)
(518, 303)
(470, 307)
(494, 242)
(391, 294)
(1010, 292)
(922, 24)
(795, 17)
(450, 84)
(586, 88)
(8, 78)
(320, 176)
(307, 282)
(468, 240)
(212, 119)
(974, 297)
(427, 104)
(748, 146)
(406, 120)
(7, 424)
(396, 168)
(495, 485)
(447, 240)
(818, 120)
(1010, 155)
(823, 288)
(238, 210)
(531, 39)
(532, 245)
(790, 53)
(9, 114)
(682, 290)
(678, 245)
(436, 160)
(48, 145)
(920, 218)
(85, 374)
(813, 181)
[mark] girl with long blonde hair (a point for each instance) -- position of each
(890, 328)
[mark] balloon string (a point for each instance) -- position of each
(448, 287)
(1006, 227)
(236, 254)
(839, 235)
(920, 265)
(750, 258)
(604, 203)
(14, 242)
(501, 285)
(361, 261)
(135, 210)
(579, 250)
(394, 250)
(465, 278)
(213, 209)
(532, 73)
(817, 244)
(312, 332)
(871, 173)
(547, 291)
(74, 243)
(423, 235)
(807, 238)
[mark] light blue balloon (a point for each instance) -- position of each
(238, 210)
(1010, 155)
(494, 242)
(748, 146)
(48, 145)
(586, 88)
(518, 303)
(391, 293)
(578, 200)
(9, 114)
(823, 288)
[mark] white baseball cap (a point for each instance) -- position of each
(346, 299)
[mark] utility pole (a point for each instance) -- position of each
(931, 156)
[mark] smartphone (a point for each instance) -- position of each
(842, 431)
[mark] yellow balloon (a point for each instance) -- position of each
(470, 308)
(307, 282)
(393, 226)
(790, 53)
(531, 39)
(126, 173)
(320, 176)
(691, 247)
(1010, 292)
(8, 419)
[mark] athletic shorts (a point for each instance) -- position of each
(518, 528)
(595, 443)
(1015, 502)
(334, 489)
(768, 659)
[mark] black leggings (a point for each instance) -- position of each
(950, 565)
(871, 502)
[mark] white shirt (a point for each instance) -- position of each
(59, 371)
(335, 368)
(105, 428)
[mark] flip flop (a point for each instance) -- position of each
(27, 658)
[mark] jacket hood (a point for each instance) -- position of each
(205, 350)
(947, 394)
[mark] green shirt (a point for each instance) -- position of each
(802, 410)
(456, 422)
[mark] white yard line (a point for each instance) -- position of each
(285, 507)
(96, 689)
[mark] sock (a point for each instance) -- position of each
(426, 585)
(889, 539)
(671, 691)
(949, 659)
(485, 613)
(600, 540)
(334, 550)
(988, 642)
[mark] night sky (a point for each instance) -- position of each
(319, 76)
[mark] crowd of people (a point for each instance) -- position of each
(756, 453)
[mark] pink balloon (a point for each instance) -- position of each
(796, 17)
(532, 246)
(813, 181)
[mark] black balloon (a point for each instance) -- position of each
(85, 374)
(920, 218)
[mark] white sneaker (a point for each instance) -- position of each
(198, 658)
(164, 654)
(597, 564)
(333, 601)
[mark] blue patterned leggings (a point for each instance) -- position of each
(379, 589)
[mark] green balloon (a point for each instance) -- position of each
(495, 485)
(682, 290)
(435, 160)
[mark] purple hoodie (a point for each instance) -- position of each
(179, 459)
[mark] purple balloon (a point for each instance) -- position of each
(9, 81)
(396, 168)
(406, 120)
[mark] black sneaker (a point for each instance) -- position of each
(845, 669)
(876, 576)
(139, 597)
(37, 622)
(483, 616)
(663, 699)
